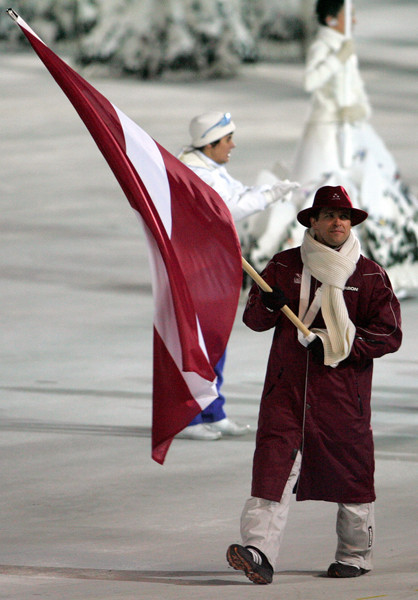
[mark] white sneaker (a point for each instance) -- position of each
(228, 427)
(200, 431)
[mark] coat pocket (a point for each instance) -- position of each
(274, 384)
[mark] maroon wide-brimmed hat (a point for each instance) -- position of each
(335, 197)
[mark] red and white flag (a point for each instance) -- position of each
(194, 252)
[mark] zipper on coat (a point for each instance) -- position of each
(305, 392)
(360, 403)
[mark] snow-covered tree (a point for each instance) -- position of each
(152, 36)
(149, 37)
(52, 19)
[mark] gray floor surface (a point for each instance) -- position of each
(84, 511)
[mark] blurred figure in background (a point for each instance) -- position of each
(208, 153)
(339, 115)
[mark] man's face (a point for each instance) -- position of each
(222, 151)
(332, 227)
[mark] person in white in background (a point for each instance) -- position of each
(339, 146)
(208, 153)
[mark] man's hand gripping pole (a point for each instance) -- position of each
(309, 335)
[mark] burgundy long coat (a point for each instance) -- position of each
(336, 439)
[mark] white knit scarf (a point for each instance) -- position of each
(332, 268)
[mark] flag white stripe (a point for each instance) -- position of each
(145, 156)
(165, 322)
(22, 23)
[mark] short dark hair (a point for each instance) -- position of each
(315, 213)
(213, 144)
(326, 8)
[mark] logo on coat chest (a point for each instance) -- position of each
(298, 279)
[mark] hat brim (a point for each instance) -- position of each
(357, 216)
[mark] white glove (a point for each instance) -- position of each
(305, 341)
(279, 190)
(352, 113)
(346, 50)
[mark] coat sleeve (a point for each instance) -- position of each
(380, 333)
(322, 63)
(242, 200)
(247, 201)
(256, 316)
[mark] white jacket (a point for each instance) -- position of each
(325, 77)
(241, 200)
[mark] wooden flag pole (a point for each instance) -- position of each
(266, 288)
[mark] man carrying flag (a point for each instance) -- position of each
(314, 433)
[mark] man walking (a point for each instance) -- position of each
(314, 432)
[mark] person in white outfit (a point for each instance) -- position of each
(339, 146)
(208, 153)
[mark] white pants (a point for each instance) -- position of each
(263, 523)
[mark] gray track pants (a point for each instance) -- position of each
(263, 523)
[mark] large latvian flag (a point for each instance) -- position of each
(194, 252)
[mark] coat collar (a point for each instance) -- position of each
(196, 158)
(329, 36)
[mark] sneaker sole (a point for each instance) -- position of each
(239, 563)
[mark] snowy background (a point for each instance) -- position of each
(149, 38)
